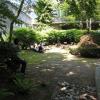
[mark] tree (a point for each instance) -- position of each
(23, 3)
(97, 17)
(82, 10)
(44, 11)
(13, 21)
(4, 14)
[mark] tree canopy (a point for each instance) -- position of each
(44, 11)
(5, 12)
(82, 9)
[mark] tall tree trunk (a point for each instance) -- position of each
(12, 22)
(90, 22)
(81, 24)
(87, 26)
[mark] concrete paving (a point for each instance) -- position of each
(98, 81)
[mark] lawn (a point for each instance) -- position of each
(32, 57)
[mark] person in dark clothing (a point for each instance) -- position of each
(40, 48)
(18, 60)
(15, 60)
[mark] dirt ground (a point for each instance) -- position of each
(61, 66)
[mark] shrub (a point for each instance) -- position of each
(92, 52)
(4, 93)
(26, 36)
(74, 51)
(96, 37)
(87, 48)
(68, 36)
(7, 50)
(22, 85)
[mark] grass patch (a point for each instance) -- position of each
(32, 57)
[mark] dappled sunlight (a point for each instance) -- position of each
(43, 60)
(70, 73)
(65, 53)
(46, 70)
(69, 57)
(52, 67)
(37, 67)
(87, 65)
(78, 66)
(54, 49)
(84, 61)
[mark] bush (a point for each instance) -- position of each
(89, 52)
(21, 85)
(62, 36)
(7, 50)
(87, 48)
(4, 93)
(26, 36)
(96, 37)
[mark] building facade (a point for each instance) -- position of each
(24, 19)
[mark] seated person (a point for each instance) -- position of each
(40, 48)
(16, 60)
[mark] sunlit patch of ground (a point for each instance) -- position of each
(64, 52)
(55, 49)
(55, 65)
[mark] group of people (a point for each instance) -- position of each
(38, 47)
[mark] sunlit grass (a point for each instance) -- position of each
(32, 57)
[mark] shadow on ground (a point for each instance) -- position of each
(54, 67)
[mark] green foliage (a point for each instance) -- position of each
(83, 9)
(87, 47)
(5, 13)
(89, 52)
(96, 37)
(26, 36)
(48, 35)
(4, 93)
(74, 51)
(22, 85)
(7, 50)
(69, 36)
(64, 8)
(43, 10)
(97, 17)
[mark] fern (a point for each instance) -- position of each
(5, 93)
(22, 85)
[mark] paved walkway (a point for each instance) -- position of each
(61, 67)
(97, 77)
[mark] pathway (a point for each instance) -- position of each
(63, 76)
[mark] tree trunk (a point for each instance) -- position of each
(87, 26)
(81, 24)
(90, 22)
(12, 22)
(11, 30)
